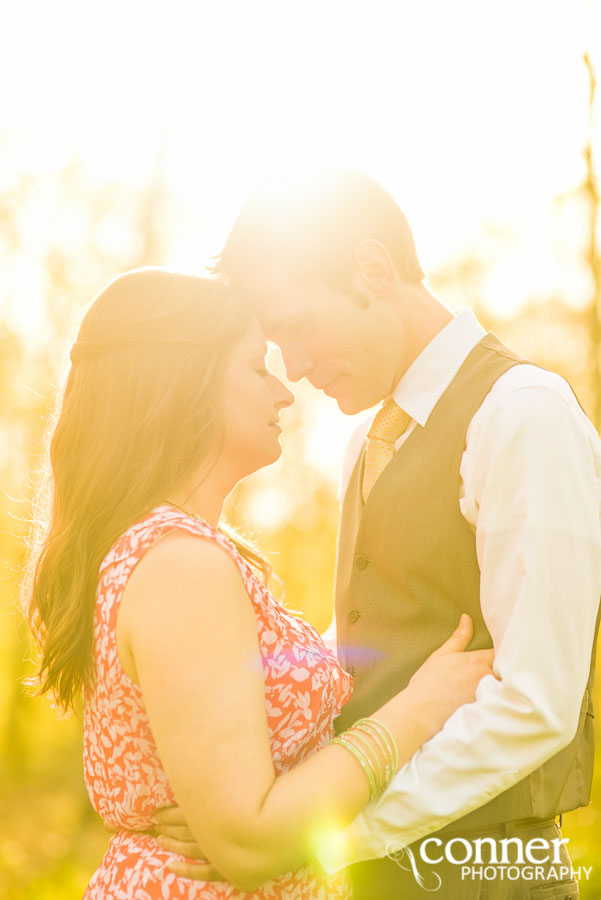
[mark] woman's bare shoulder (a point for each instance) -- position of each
(184, 564)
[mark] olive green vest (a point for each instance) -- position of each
(407, 569)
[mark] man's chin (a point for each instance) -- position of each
(349, 402)
(350, 406)
(353, 403)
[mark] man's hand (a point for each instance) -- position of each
(111, 828)
(174, 835)
(196, 871)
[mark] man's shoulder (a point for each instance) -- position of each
(528, 400)
(527, 375)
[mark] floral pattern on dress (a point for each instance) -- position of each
(305, 689)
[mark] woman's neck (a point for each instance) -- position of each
(203, 501)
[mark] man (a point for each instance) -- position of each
(475, 487)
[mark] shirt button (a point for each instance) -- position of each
(361, 562)
(353, 615)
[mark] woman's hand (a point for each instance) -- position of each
(449, 677)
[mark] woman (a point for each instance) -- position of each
(199, 688)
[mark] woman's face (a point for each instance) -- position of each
(252, 398)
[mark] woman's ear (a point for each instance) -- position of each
(374, 267)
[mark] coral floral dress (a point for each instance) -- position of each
(305, 689)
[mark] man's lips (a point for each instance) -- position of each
(328, 388)
(323, 385)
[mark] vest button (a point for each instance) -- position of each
(361, 561)
(353, 615)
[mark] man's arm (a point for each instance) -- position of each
(531, 481)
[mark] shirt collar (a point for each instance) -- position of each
(428, 376)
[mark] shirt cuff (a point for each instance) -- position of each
(355, 844)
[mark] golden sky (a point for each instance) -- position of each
(469, 111)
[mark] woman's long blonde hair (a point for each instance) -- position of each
(140, 412)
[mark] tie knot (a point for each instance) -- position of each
(389, 422)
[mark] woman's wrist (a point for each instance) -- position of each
(404, 715)
(375, 749)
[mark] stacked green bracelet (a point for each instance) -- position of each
(375, 749)
(385, 741)
(364, 762)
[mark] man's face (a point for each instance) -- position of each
(328, 338)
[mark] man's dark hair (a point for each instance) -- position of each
(311, 227)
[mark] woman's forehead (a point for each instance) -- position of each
(254, 338)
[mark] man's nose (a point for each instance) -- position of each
(298, 364)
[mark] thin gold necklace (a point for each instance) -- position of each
(188, 512)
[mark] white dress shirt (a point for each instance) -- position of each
(531, 492)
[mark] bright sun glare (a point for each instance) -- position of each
(471, 114)
(467, 112)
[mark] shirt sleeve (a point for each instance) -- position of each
(531, 474)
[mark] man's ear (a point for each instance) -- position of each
(374, 267)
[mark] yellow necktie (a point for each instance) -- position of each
(389, 423)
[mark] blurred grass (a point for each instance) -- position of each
(51, 840)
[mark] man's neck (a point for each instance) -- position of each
(425, 317)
